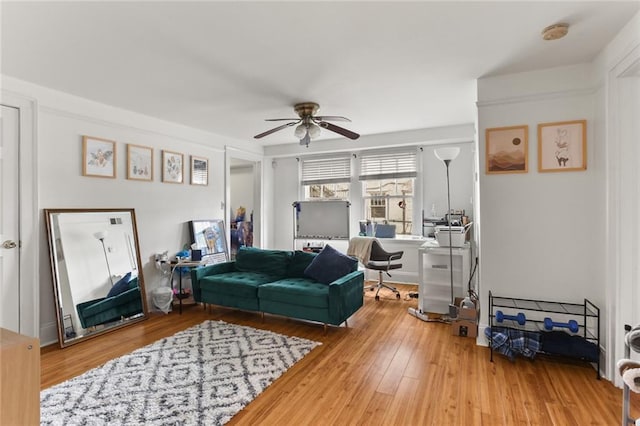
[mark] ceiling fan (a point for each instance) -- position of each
(309, 124)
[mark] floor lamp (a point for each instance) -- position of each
(101, 235)
(447, 155)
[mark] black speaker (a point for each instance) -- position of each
(196, 255)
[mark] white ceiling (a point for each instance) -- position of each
(226, 66)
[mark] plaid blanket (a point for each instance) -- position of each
(511, 342)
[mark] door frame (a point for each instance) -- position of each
(622, 208)
(28, 212)
(258, 199)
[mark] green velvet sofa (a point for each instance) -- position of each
(275, 282)
(108, 309)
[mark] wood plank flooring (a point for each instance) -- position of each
(386, 368)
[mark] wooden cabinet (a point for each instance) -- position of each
(435, 267)
(19, 379)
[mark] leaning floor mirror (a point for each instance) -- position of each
(96, 270)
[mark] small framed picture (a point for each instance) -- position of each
(199, 171)
(562, 146)
(98, 157)
(172, 167)
(139, 162)
(507, 149)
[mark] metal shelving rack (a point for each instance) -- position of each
(586, 314)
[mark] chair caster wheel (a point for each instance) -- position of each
(377, 297)
(398, 296)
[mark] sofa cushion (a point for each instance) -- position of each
(133, 283)
(329, 265)
(121, 286)
(273, 262)
(299, 262)
(296, 291)
(241, 284)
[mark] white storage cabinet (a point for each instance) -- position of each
(434, 294)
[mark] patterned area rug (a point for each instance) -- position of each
(201, 376)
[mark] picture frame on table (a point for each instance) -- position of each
(139, 162)
(199, 171)
(562, 146)
(507, 149)
(172, 167)
(98, 157)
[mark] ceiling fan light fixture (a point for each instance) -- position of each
(300, 131)
(314, 131)
(309, 126)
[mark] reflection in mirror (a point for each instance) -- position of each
(96, 269)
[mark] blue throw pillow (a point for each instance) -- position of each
(121, 286)
(329, 265)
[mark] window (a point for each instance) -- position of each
(326, 178)
(388, 182)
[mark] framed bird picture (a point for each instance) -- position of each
(98, 157)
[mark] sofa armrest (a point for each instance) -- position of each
(198, 273)
(346, 296)
(98, 305)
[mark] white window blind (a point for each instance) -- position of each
(388, 166)
(326, 170)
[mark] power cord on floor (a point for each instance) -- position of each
(411, 295)
(425, 316)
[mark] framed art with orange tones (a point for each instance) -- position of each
(507, 149)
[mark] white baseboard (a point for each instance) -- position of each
(48, 333)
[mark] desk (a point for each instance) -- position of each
(175, 264)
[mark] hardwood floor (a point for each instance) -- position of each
(386, 368)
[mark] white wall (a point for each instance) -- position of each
(542, 233)
(286, 188)
(162, 210)
(461, 172)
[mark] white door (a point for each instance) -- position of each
(9, 220)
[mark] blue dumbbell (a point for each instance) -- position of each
(520, 318)
(572, 325)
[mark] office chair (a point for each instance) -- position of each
(380, 260)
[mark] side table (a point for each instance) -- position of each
(175, 264)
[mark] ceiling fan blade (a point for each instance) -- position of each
(280, 119)
(340, 130)
(330, 118)
(268, 132)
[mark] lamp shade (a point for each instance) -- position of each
(100, 235)
(300, 131)
(447, 153)
(314, 131)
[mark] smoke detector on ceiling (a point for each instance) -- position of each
(555, 31)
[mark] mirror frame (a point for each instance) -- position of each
(55, 274)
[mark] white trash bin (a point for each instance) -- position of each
(162, 299)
